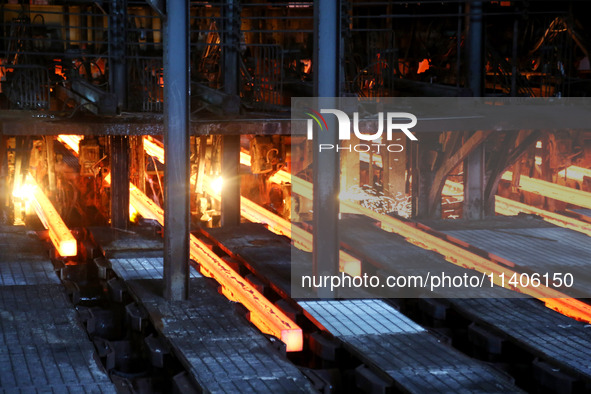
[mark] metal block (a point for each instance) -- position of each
(234, 264)
(323, 347)
(288, 309)
(158, 350)
(256, 283)
(103, 266)
(436, 309)
(182, 383)
(137, 316)
(485, 340)
(72, 290)
(369, 382)
(552, 380)
(105, 352)
(116, 289)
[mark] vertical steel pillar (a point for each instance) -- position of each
(230, 198)
(119, 181)
(394, 166)
(350, 166)
(117, 41)
(474, 164)
(514, 58)
(176, 151)
(138, 166)
(327, 15)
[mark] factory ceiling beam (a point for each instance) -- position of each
(20, 122)
(120, 185)
(327, 64)
(176, 148)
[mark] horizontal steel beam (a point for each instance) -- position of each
(13, 122)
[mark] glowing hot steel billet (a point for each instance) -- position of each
(552, 190)
(59, 233)
(263, 314)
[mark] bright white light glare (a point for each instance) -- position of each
(25, 191)
(216, 185)
(73, 141)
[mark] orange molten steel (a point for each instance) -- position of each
(464, 258)
(506, 206)
(154, 148)
(549, 189)
(59, 233)
(459, 256)
(300, 237)
(575, 173)
(263, 314)
(73, 141)
(456, 255)
(255, 213)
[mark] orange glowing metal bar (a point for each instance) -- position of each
(244, 159)
(451, 188)
(153, 147)
(575, 173)
(263, 314)
(464, 258)
(300, 237)
(255, 213)
(552, 298)
(549, 189)
(73, 141)
(507, 206)
(59, 233)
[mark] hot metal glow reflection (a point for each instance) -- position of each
(60, 235)
(263, 314)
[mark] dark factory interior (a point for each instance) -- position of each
(179, 211)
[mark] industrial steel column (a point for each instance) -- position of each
(230, 198)
(474, 164)
(176, 151)
(326, 164)
(119, 181)
(117, 42)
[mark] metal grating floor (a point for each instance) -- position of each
(545, 333)
(43, 348)
(526, 322)
(222, 351)
(416, 360)
(371, 329)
